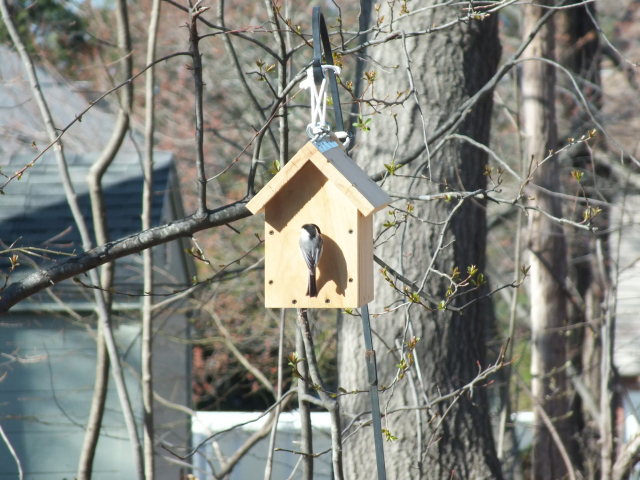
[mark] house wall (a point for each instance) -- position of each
(253, 464)
(49, 356)
(627, 326)
(628, 426)
(45, 398)
(171, 362)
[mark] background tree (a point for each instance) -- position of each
(430, 77)
(436, 238)
(548, 250)
(579, 50)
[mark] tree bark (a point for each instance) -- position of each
(147, 255)
(447, 69)
(547, 250)
(306, 437)
(579, 50)
(94, 422)
(330, 403)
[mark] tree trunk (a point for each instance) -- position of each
(94, 422)
(447, 68)
(306, 438)
(147, 255)
(547, 250)
(579, 51)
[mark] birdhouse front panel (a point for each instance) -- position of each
(321, 185)
(310, 198)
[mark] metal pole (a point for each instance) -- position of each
(372, 376)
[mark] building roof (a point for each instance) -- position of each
(20, 119)
(339, 169)
(34, 210)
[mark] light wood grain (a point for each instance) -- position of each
(331, 191)
(257, 203)
(311, 198)
(365, 259)
(338, 168)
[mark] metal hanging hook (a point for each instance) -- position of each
(318, 76)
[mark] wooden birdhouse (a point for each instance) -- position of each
(323, 186)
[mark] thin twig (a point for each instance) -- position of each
(248, 92)
(13, 453)
(274, 429)
(330, 403)
(550, 427)
(459, 115)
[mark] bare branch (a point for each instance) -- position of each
(627, 457)
(330, 403)
(274, 429)
(585, 394)
(194, 39)
(410, 284)
(78, 117)
(147, 255)
(243, 81)
(13, 453)
(583, 101)
(306, 436)
(136, 243)
(239, 356)
(552, 430)
(266, 412)
(459, 115)
(231, 32)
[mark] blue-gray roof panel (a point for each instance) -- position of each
(35, 208)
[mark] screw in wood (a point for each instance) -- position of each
(270, 232)
(327, 301)
(351, 280)
(294, 301)
(350, 230)
(270, 282)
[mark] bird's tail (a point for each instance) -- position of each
(312, 288)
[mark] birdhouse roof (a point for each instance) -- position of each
(339, 169)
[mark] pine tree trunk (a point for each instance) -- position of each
(448, 68)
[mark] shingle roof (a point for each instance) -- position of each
(20, 120)
(34, 209)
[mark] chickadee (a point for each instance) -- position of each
(311, 249)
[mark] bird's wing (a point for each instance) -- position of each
(319, 252)
(309, 259)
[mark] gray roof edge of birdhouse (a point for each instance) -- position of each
(358, 178)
